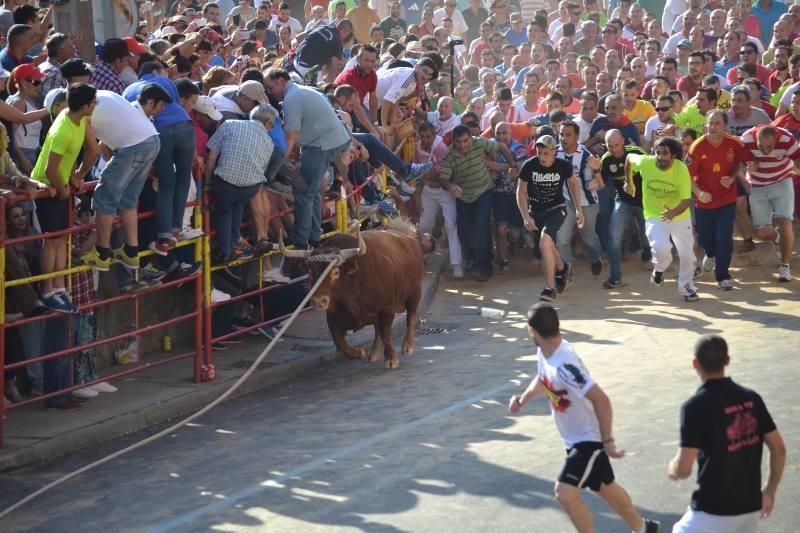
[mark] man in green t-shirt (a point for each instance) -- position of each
(666, 196)
(55, 167)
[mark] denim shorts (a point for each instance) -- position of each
(776, 200)
(122, 179)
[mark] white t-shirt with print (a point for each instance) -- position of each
(567, 381)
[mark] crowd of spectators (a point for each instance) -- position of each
(272, 108)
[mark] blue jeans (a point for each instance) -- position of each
(229, 204)
(715, 235)
(591, 242)
(32, 338)
(56, 371)
(474, 228)
(122, 179)
(308, 204)
(381, 153)
(173, 166)
(620, 219)
(605, 201)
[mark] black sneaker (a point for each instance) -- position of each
(562, 278)
(691, 294)
(548, 295)
(183, 270)
(612, 283)
(597, 268)
(657, 278)
(652, 526)
(646, 255)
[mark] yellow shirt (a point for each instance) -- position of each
(723, 101)
(363, 18)
(641, 111)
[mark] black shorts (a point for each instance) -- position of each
(53, 214)
(549, 220)
(587, 466)
(506, 211)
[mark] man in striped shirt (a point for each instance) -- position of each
(771, 154)
(464, 174)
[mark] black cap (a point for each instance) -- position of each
(75, 67)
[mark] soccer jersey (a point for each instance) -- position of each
(789, 123)
(566, 382)
(775, 166)
(708, 163)
(662, 189)
(641, 111)
(612, 169)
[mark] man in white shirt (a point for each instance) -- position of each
(284, 18)
(449, 11)
(583, 415)
(588, 115)
(129, 152)
(443, 119)
(396, 84)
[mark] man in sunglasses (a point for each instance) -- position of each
(748, 54)
(660, 125)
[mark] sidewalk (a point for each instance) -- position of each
(162, 393)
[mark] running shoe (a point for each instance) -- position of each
(92, 258)
(183, 270)
(690, 294)
(612, 283)
(562, 278)
(726, 285)
(160, 246)
(417, 170)
(784, 273)
(548, 295)
(597, 268)
(657, 278)
(708, 263)
(131, 263)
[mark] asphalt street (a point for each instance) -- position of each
(430, 446)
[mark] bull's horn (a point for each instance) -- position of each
(292, 254)
(352, 252)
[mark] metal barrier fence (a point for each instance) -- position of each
(202, 305)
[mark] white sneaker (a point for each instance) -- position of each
(190, 233)
(784, 273)
(104, 386)
(86, 392)
(708, 263)
(274, 275)
(458, 272)
(219, 296)
(726, 285)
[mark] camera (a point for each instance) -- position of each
(455, 42)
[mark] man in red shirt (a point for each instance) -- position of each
(715, 165)
(791, 120)
(361, 77)
(689, 84)
(748, 53)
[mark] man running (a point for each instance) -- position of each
(540, 200)
(725, 426)
(715, 164)
(666, 195)
(582, 413)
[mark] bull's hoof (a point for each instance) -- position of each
(409, 348)
(374, 356)
(391, 363)
(357, 353)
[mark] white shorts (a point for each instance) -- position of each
(700, 522)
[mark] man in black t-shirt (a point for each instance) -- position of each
(393, 26)
(322, 48)
(612, 170)
(725, 426)
(540, 199)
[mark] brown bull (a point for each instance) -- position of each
(380, 275)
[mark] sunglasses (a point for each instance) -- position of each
(662, 109)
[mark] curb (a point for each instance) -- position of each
(199, 396)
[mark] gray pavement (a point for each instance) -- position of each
(430, 446)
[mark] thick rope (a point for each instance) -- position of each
(186, 420)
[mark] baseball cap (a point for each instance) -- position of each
(255, 91)
(26, 71)
(134, 46)
(685, 43)
(516, 17)
(546, 141)
(205, 105)
(166, 31)
(415, 47)
(74, 67)
(53, 97)
(179, 18)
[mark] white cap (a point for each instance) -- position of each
(205, 105)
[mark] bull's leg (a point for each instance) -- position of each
(375, 351)
(390, 359)
(338, 332)
(410, 341)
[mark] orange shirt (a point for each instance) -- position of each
(708, 163)
(520, 131)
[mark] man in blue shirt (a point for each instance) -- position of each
(20, 43)
(768, 13)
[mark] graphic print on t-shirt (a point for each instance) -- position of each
(743, 430)
(557, 397)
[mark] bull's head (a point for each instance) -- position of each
(318, 260)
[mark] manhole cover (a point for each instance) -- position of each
(432, 331)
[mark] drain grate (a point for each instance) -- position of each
(432, 331)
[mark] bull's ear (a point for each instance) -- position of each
(335, 273)
(350, 268)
